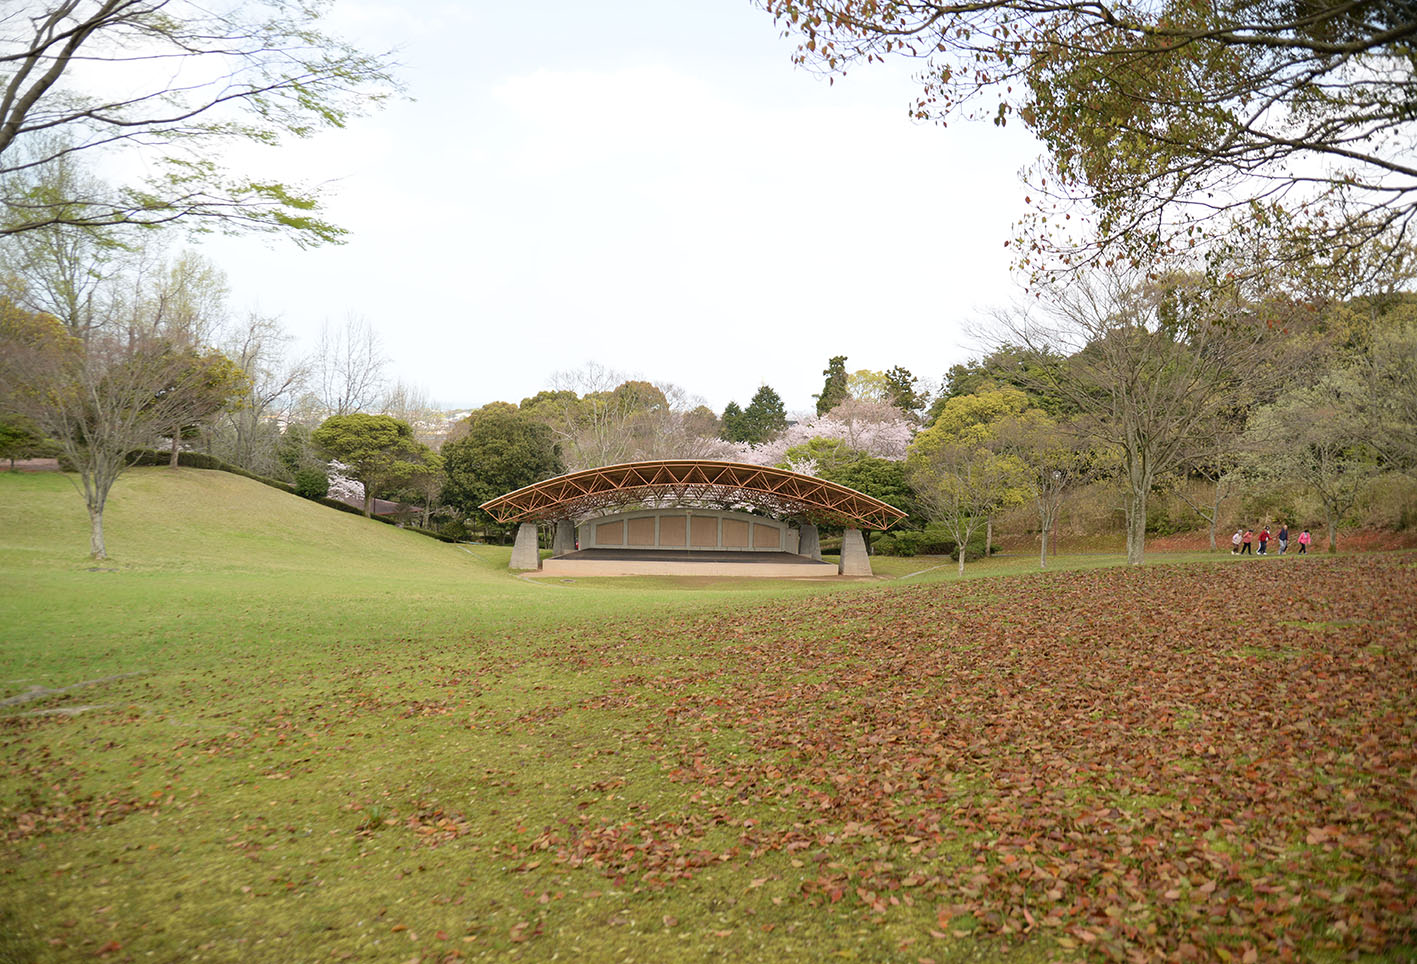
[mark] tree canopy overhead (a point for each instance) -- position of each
(176, 81)
(1161, 115)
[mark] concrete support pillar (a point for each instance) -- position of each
(526, 554)
(854, 561)
(565, 540)
(809, 544)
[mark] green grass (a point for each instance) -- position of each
(304, 736)
(297, 670)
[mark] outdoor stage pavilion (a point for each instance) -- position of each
(686, 517)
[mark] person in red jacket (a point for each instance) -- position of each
(1264, 540)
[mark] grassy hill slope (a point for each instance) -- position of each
(195, 520)
(210, 557)
(207, 565)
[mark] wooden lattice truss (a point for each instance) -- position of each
(693, 482)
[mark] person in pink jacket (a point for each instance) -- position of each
(1304, 540)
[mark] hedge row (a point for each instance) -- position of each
(198, 460)
(930, 542)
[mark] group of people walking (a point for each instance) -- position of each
(1244, 540)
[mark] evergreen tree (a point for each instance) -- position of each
(834, 391)
(732, 423)
(900, 385)
(763, 418)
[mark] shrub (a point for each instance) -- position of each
(931, 541)
(311, 484)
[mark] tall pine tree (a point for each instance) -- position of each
(764, 417)
(834, 391)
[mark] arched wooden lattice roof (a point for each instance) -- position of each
(692, 482)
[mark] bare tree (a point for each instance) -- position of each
(590, 418)
(412, 404)
(275, 381)
(1318, 435)
(1056, 461)
(349, 367)
(187, 299)
(1216, 463)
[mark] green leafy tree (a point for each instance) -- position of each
(640, 396)
(823, 455)
(866, 385)
(210, 384)
(295, 452)
(498, 450)
(958, 479)
(20, 438)
(312, 483)
(700, 422)
(882, 479)
(834, 390)
(168, 86)
(375, 449)
(1031, 371)
(421, 482)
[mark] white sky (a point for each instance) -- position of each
(650, 184)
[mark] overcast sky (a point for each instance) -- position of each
(649, 184)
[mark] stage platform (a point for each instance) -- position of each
(669, 562)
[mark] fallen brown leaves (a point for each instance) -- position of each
(1209, 763)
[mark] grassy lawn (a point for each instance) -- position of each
(267, 731)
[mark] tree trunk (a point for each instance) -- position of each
(1045, 520)
(988, 537)
(368, 503)
(176, 440)
(961, 559)
(1332, 524)
(96, 547)
(425, 513)
(1212, 536)
(1136, 526)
